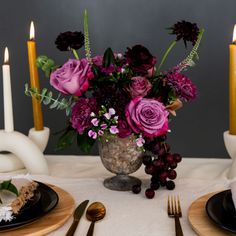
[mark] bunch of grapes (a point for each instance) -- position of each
(160, 163)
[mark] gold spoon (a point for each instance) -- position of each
(95, 212)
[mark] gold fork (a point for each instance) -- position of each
(174, 210)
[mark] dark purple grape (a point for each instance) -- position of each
(158, 163)
(156, 148)
(154, 185)
(136, 188)
(150, 169)
(177, 157)
(163, 183)
(147, 159)
(172, 174)
(150, 193)
(155, 179)
(173, 165)
(170, 185)
(163, 176)
(169, 158)
(161, 151)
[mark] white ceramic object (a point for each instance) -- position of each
(230, 144)
(23, 150)
(9, 162)
(40, 138)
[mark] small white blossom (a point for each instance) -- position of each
(112, 111)
(119, 55)
(92, 114)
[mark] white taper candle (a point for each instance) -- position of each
(7, 95)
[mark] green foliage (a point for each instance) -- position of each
(66, 139)
(108, 58)
(46, 97)
(84, 142)
(189, 60)
(46, 64)
(7, 185)
(86, 37)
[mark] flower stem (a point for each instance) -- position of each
(165, 56)
(75, 53)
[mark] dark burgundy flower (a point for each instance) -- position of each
(67, 40)
(140, 59)
(110, 96)
(124, 129)
(81, 113)
(182, 86)
(185, 30)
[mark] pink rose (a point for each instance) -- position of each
(147, 116)
(73, 77)
(139, 86)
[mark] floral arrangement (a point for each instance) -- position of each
(121, 94)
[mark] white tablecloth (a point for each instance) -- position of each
(129, 214)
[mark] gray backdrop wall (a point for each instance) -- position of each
(198, 128)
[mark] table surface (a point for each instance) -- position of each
(129, 214)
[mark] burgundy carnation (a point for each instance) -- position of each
(140, 59)
(182, 86)
(81, 111)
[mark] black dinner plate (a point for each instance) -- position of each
(219, 214)
(35, 210)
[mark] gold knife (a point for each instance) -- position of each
(79, 211)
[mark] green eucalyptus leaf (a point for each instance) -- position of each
(54, 104)
(46, 64)
(43, 94)
(46, 100)
(27, 93)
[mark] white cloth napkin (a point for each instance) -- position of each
(233, 190)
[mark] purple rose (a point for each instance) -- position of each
(73, 77)
(139, 86)
(147, 116)
(124, 129)
(140, 59)
(182, 86)
(81, 114)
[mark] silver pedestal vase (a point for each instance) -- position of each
(122, 157)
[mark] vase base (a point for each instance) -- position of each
(121, 182)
